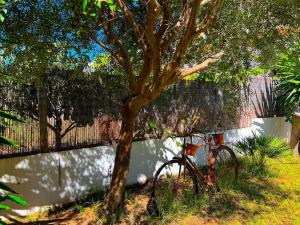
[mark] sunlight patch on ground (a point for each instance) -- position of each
(271, 199)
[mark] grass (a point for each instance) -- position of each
(271, 198)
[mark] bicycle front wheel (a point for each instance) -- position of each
(175, 186)
(226, 167)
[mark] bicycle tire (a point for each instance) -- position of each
(226, 167)
(160, 195)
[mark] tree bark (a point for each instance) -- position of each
(295, 135)
(58, 128)
(122, 160)
(43, 112)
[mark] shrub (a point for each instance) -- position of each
(6, 193)
(259, 148)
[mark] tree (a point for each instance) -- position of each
(31, 45)
(153, 40)
(71, 96)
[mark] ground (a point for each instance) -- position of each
(272, 198)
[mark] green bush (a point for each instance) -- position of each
(258, 149)
(6, 193)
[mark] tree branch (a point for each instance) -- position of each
(124, 56)
(121, 56)
(138, 31)
(201, 66)
(69, 128)
(171, 68)
(165, 23)
(51, 127)
(210, 17)
(104, 46)
(151, 59)
(171, 32)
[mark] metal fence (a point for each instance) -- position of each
(86, 112)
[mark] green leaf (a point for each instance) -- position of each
(6, 188)
(1, 18)
(92, 14)
(17, 199)
(110, 2)
(11, 117)
(152, 125)
(112, 7)
(7, 141)
(2, 223)
(5, 207)
(179, 144)
(98, 4)
(294, 81)
(84, 4)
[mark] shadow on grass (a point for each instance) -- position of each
(251, 195)
(259, 191)
(41, 222)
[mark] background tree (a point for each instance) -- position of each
(35, 37)
(157, 43)
(70, 96)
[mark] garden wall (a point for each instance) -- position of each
(62, 177)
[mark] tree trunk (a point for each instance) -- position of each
(43, 112)
(295, 135)
(122, 160)
(58, 128)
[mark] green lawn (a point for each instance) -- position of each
(272, 198)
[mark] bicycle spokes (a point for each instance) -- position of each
(174, 187)
(226, 167)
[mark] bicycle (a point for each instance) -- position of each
(177, 179)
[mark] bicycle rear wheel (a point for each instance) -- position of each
(174, 186)
(226, 167)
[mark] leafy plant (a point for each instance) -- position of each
(10, 195)
(3, 11)
(259, 148)
(288, 89)
(5, 140)
(6, 193)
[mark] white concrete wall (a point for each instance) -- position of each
(62, 177)
(276, 126)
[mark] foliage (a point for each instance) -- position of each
(5, 140)
(288, 89)
(71, 95)
(3, 10)
(7, 193)
(258, 148)
(30, 44)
